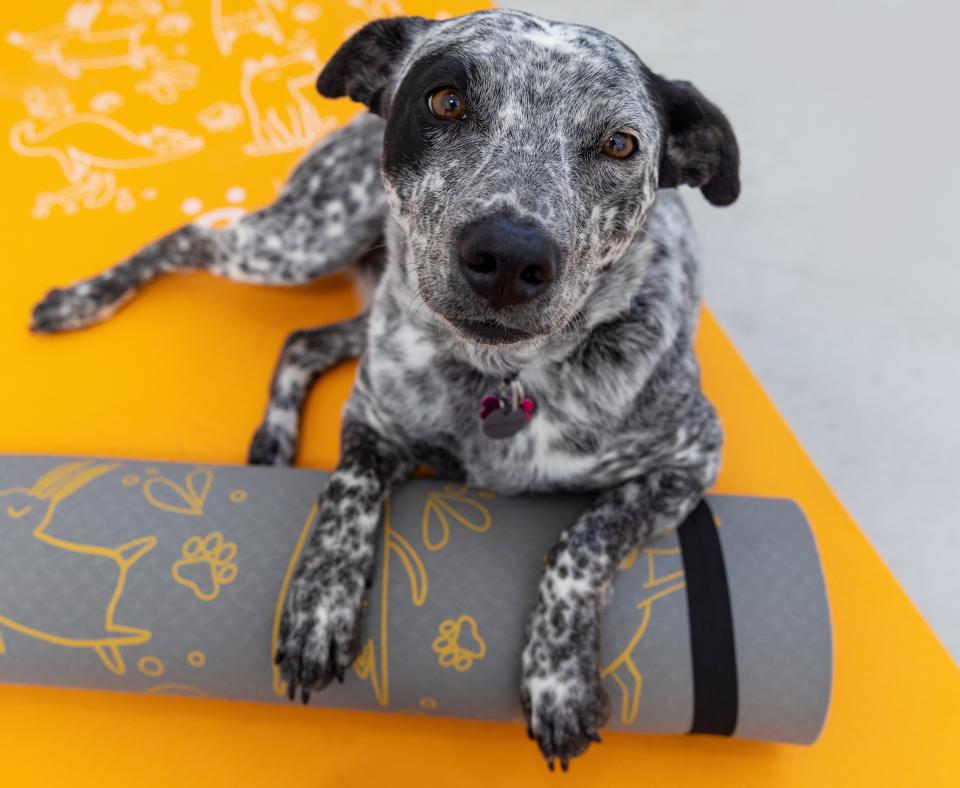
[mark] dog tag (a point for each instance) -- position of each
(502, 423)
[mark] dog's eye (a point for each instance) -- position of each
(620, 145)
(447, 104)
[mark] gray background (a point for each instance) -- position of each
(837, 272)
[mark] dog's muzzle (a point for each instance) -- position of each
(507, 262)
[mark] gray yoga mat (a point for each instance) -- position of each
(168, 578)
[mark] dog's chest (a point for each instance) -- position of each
(428, 399)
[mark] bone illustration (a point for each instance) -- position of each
(36, 565)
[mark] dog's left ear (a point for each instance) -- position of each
(363, 67)
(699, 147)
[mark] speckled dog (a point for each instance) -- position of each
(511, 173)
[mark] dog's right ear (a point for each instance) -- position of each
(364, 65)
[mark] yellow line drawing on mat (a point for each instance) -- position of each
(151, 666)
(452, 502)
(26, 513)
(196, 659)
(188, 498)
(277, 93)
(206, 565)
(623, 668)
(173, 688)
(234, 18)
(366, 666)
(652, 553)
(279, 685)
(3, 646)
(451, 653)
(72, 46)
(428, 704)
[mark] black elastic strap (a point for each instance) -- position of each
(712, 648)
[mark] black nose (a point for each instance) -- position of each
(506, 262)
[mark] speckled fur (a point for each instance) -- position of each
(610, 364)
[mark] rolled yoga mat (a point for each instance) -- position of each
(169, 578)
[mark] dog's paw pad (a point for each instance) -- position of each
(206, 565)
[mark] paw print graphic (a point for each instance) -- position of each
(452, 653)
(206, 565)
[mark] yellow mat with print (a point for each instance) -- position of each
(124, 118)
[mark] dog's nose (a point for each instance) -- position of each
(506, 262)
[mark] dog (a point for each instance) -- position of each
(513, 189)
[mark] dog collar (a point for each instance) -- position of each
(504, 414)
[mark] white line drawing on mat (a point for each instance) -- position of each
(139, 10)
(90, 147)
(377, 9)
(167, 79)
(275, 91)
(306, 13)
(47, 104)
(372, 9)
(234, 18)
(73, 47)
(221, 116)
(106, 102)
(222, 216)
(176, 24)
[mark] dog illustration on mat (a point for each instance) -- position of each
(57, 590)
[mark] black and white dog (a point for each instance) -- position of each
(505, 188)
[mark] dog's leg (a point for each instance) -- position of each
(318, 637)
(305, 356)
(563, 700)
(330, 213)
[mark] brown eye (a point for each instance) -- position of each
(447, 104)
(620, 145)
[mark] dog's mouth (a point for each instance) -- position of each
(489, 333)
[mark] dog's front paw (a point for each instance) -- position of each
(71, 308)
(563, 700)
(271, 446)
(564, 716)
(319, 628)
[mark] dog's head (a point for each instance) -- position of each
(520, 158)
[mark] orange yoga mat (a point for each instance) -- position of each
(124, 118)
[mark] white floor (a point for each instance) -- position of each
(838, 271)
